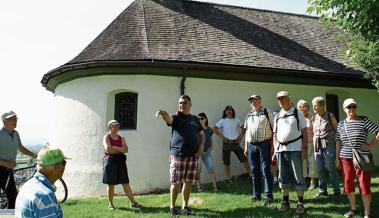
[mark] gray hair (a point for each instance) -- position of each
(303, 103)
(319, 100)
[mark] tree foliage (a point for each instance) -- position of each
(359, 20)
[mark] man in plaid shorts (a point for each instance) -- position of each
(187, 142)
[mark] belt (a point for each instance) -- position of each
(259, 143)
(232, 141)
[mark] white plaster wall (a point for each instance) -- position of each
(84, 106)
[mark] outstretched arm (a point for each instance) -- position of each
(165, 116)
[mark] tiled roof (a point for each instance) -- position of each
(197, 32)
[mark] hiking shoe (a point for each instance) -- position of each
(174, 211)
(284, 207)
(268, 201)
(320, 195)
(186, 211)
(255, 199)
(136, 205)
(349, 214)
(300, 208)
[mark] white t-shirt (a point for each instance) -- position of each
(229, 127)
(286, 130)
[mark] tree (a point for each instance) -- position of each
(359, 22)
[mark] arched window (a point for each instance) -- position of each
(126, 109)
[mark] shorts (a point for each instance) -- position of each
(349, 172)
(115, 170)
(207, 160)
(183, 169)
(234, 146)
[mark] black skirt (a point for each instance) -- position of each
(115, 170)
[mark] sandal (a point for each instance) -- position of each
(349, 214)
(136, 205)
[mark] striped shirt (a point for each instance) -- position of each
(257, 126)
(358, 133)
(36, 199)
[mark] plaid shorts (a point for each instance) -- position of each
(183, 169)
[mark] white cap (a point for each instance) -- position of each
(113, 123)
(282, 94)
(348, 102)
(7, 115)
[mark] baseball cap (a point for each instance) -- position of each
(254, 97)
(348, 102)
(112, 123)
(47, 156)
(7, 115)
(282, 94)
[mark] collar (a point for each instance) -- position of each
(253, 112)
(291, 110)
(44, 180)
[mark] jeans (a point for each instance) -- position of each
(207, 160)
(259, 156)
(326, 168)
(291, 164)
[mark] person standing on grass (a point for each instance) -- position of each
(309, 164)
(10, 143)
(206, 158)
(37, 198)
(324, 139)
(228, 129)
(353, 133)
(115, 170)
(258, 148)
(187, 143)
(290, 140)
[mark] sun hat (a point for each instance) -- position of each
(112, 123)
(47, 156)
(254, 97)
(348, 102)
(7, 115)
(282, 94)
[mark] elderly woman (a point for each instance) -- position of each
(115, 169)
(353, 133)
(309, 165)
(324, 139)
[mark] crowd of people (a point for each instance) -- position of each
(291, 141)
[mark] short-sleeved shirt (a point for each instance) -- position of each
(185, 139)
(358, 134)
(208, 132)
(258, 128)
(36, 199)
(322, 125)
(286, 129)
(229, 127)
(9, 143)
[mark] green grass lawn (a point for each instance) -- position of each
(230, 201)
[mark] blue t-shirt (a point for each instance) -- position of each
(208, 132)
(185, 140)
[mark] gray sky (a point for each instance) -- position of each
(40, 35)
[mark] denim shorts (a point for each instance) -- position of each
(291, 165)
(207, 160)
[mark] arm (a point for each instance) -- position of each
(108, 148)
(242, 134)
(245, 151)
(24, 150)
(304, 141)
(334, 123)
(275, 146)
(123, 149)
(200, 151)
(9, 165)
(338, 149)
(165, 116)
(217, 132)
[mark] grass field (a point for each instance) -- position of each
(230, 202)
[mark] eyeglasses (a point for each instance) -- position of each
(351, 107)
(201, 118)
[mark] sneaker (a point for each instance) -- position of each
(136, 205)
(255, 199)
(284, 207)
(215, 190)
(199, 189)
(111, 207)
(300, 208)
(349, 214)
(174, 211)
(268, 201)
(186, 211)
(320, 195)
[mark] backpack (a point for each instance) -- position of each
(267, 117)
(295, 113)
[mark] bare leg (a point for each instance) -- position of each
(213, 179)
(366, 203)
(285, 191)
(110, 191)
(227, 171)
(174, 191)
(247, 168)
(351, 197)
(186, 193)
(129, 193)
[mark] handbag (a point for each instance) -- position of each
(364, 162)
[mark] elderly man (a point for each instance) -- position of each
(258, 148)
(290, 140)
(36, 197)
(10, 142)
(187, 142)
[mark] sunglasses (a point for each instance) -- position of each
(201, 118)
(351, 107)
